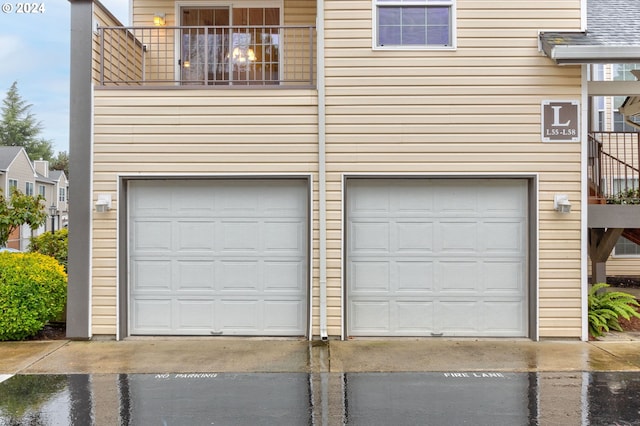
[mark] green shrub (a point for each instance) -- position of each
(606, 308)
(33, 290)
(52, 244)
(627, 196)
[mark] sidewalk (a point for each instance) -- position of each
(206, 355)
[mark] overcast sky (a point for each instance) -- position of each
(34, 51)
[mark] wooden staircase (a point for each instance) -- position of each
(632, 234)
(614, 177)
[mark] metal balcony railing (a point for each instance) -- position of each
(614, 167)
(214, 56)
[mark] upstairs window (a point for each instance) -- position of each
(13, 183)
(42, 190)
(62, 195)
(28, 188)
(627, 248)
(414, 23)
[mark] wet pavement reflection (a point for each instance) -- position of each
(444, 398)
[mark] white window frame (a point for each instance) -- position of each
(29, 189)
(62, 196)
(13, 183)
(42, 190)
(452, 25)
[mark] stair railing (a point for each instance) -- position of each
(614, 167)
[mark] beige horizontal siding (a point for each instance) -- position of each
(190, 132)
(475, 109)
(623, 266)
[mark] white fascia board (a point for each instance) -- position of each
(584, 54)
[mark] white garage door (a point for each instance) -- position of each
(211, 257)
(430, 257)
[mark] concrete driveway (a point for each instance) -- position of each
(226, 381)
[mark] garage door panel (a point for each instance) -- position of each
(414, 237)
(366, 201)
(238, 276)
(216, 252)
(501, 238)
(239, 315)
(239, 235)
(280, 203)
(152, 275)
(504, 199)
(414, 317)
(370, 317)
(414, 276)
(195, 235)
(283, 237)
(152, 314)
(194, 200)
(237, 200)
(153, 201)
(370, 237)
(422, 201)
(504, 277)
(195, 315)
(194, 275)
(458, 237)
(452, 246)
(153, 235)
(454, 200)
(369, 276)
(458, 276)
(459, 317)
(283, 315)
(504, 317)
(283, 276)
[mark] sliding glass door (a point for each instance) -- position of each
(229, 45)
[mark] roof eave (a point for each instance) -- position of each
(592, 54)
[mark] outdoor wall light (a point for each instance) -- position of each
(561, 203)
(103, 204)
(158, 19)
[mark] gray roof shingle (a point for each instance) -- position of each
(613, 22)
(612, 35)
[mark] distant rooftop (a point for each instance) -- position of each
(7, 155)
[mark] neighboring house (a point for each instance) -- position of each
(62, 197)
(54, 186)
(16, 170)
(337, 168)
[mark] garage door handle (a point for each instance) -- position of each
(216, 333)
(437, 334)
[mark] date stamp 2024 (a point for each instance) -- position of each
(23, 8)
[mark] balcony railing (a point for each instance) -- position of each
(212, 56)
(614, 167)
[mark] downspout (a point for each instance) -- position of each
(322, 179)
(584, 202)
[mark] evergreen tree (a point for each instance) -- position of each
(61, 162)
(19, 127)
